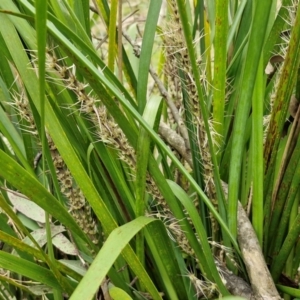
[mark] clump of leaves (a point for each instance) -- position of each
(128, 186)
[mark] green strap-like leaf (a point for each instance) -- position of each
(29, 269)
(110, 251)
(142, 155)
(219, 90)
(146, 52)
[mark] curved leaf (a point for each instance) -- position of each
(114, 245)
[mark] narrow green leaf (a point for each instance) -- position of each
(257, 153)
(142, 151)
(146, 52)
(79, 21)
(112, 29)
(277, 28)
(219, 84)
(235, 23)
(114, 245)
(58, 11)
(142, 155)
(290, 291)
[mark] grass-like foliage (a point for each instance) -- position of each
(149, 149)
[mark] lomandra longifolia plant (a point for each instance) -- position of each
(149, 149)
